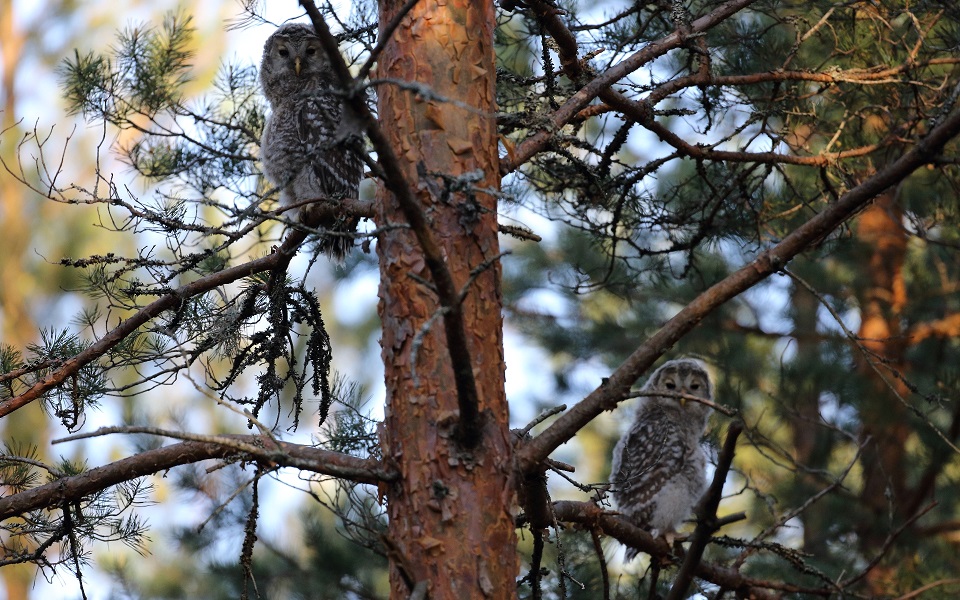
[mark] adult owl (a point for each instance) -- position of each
(658, 465)
(305, 150)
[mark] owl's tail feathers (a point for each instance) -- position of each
(340, 225)
(335, 246)
(338, 243)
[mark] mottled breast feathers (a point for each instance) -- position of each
(657, 473)
(304, 150)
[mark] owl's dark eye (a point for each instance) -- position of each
(283, 52)
(695, 386)
(311, 51)
(671, 385)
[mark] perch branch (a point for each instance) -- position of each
(69, 489)
(613, 525)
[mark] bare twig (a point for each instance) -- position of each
(868, 355)
(926, 588)
(604, 576)
(543, 416)
(886, 546)
(782, 520)
(521, 233)
(730, 412)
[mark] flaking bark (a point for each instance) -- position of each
(450, 513)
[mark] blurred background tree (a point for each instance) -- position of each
(34, 39)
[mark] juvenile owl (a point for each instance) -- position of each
(658, 465)
(305, 150)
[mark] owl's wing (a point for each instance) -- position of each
(650, 453)
(336, 166)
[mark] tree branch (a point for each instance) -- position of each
(315, 460)
(167, 302)
(617, 386)
(615, 526)
(887, 544)
(539, 140)
(642, 111)
(706, 516)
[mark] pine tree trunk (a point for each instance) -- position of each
(883, 240)
(451, 527)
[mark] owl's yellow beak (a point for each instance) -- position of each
(296, 65)
(683, 402)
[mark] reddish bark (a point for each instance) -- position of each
(451, 527)
(883, 240)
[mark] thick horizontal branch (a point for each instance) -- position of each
(617, 527)
(617, 386)
(541, 139)
(314, 460)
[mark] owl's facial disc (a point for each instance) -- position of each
(670, 383)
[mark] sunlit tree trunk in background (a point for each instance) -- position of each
(883, 241)
(450, 513)
(16, 326)
(16, 285)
